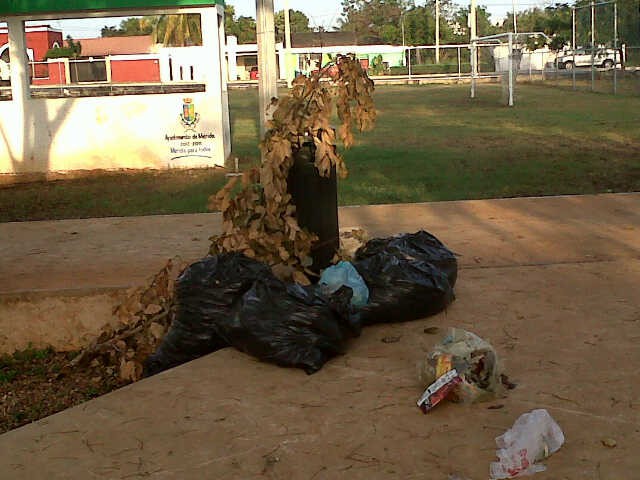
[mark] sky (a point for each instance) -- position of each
(321, 13)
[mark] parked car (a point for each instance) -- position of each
(581, 57)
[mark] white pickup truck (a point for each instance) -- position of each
(581, 57)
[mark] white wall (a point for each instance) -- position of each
(131, 131)
(535, 60)
(183, 60)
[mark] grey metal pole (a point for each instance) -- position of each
(409, 57)
(437, 31)
(615, 48)
(510, 64)
(593, 46)
(267, 66)
(472, 39)
(573, 48)
(459, 66)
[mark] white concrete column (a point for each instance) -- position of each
(268, 86)
(21, 141)
(215, 84)
(232, 56)
(20, 88)
(224, 78)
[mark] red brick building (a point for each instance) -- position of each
(40, 39)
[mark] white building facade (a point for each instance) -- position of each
(181, 123)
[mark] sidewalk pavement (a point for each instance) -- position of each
(551, 282)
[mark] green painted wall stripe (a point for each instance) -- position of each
(32, 7)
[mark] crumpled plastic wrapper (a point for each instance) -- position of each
(475, 360)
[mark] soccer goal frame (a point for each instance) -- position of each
(515, 54)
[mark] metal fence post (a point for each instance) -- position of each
(615, 48)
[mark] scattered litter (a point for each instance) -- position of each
(431, 330)
(533, 437)
(475, 363)
(350, 241)
(390, 339)
(609, 442)
(438, 390)
(495, 407)
(344, 274)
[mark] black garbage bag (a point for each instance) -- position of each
(207, 295)
(291, 325)
(419, 246)
(402, 289)
(231, 300)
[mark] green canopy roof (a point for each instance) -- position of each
(34, 7)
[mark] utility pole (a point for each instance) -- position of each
(573, 46)
(515, 18)
(287, 46)
(472, 38)
(615, 48)
(287, 26)
(437, 31)
(267, 66)
(593, 45)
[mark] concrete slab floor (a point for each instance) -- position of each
(551, 282)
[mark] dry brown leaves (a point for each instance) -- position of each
(259, 219)
(142, 321)
(350, 241)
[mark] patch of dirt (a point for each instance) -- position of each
(37, 383)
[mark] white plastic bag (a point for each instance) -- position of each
(533, 437)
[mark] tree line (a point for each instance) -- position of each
(402, 22)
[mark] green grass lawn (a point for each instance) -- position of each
(431, 143)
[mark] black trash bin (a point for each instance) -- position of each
(316, 201)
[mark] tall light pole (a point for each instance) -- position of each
(437, 31)
(287, 26)
(267, 66)
(515, 18)
(472, 38)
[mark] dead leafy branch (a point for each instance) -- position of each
(259, 220)
(142, 321)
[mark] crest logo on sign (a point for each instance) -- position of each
(189, 116)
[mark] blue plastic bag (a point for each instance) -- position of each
(345, 274)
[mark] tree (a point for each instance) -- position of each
(244, 28)
(484, 26)
(72, 50)
(298, 22)
(381, 18)
(131, 26)
(176, 30)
